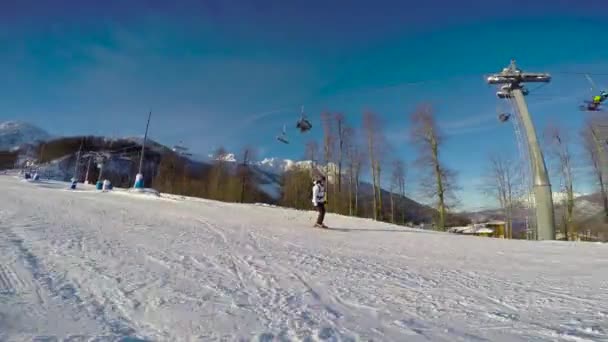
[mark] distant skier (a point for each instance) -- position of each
(318, 200)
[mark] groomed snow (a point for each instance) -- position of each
(86, 264)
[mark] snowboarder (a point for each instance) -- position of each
(318, 200)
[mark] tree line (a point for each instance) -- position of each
(348, 151)
(222, 180)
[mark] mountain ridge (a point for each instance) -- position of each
(16, 133)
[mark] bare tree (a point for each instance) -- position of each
(376, 146)
(341, 130)
(378, 167)
(401, 175)
(595, 153)
(218, 174)
(501, 185)
(244, 172)
(354, 160)
(370, 127)
(312, 153)
(392, 200)
(440, 182)
(296, 182)
(328, 139)
(350, 147)
(359, 160)
(170, 177)
(296, 188)
(328, 152)
(557, 139)
(398, 185)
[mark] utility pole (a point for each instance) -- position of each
(139, 179)
(512, 80)
(143, 145)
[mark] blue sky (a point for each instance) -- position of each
(234, 72)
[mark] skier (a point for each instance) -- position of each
(318, 200)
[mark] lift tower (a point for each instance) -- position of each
(512, 82)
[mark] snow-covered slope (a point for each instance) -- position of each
(83, 264)
(16, 133)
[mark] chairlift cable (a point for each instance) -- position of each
(593, 85)
(538, 87)
(580, 73)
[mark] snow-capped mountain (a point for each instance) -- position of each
(558, 197)
(272, 165)
(278, 165)
(268, 171)
(229, 157)
(13, 134)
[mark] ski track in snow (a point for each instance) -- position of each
(97, 266)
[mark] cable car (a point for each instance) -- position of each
(303, 124)
(283, 137)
